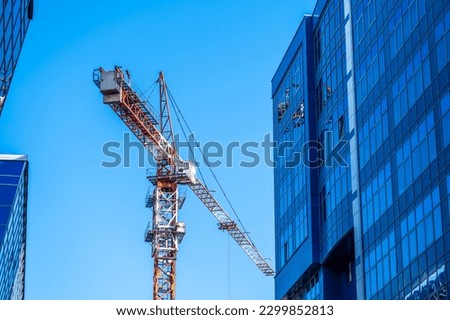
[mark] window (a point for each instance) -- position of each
(323, 204)
(341, 127)
(377, 197)
(416, 153)
(421, 227)
(310, 290)
(380, 265)
(441, 56)
(349, 273)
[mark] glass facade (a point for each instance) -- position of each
(370, 220)
(15, 16)
(13, 217)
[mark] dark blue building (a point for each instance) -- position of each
(13, 221)
(360, 109)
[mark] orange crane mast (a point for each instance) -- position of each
(165, 232)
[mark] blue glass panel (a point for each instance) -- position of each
(9, 180)
(437, 222)
(412, 245)
(392, 239)
(16, 8)
(404, 228)
(393, 261)
(439, 31)
(383, 199)
(385, 246)
(7, 194)
(445, 104)
(421, 237)
(412, 96)
(386, 271)
(430, 121)
(4, 214)
(408, 171)
(432, 145)
(419, 82)
(427, 205)
(389, 192)
(426, 73)
(422, 7)
(414, 139)
(446, 129)
(436, 197)
(417, 61)
(373, 279)
(441, 55)
(405, 251)
(11, 168)
(429, 232)
(409, 71)
(424, 156)
(406, 149)
(424, 50)
(379, 275)
(368, 287)
(416, 163)
(2, 232)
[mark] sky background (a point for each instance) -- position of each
(86, 223)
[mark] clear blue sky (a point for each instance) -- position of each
(86, 223)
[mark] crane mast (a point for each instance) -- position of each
(165, 232)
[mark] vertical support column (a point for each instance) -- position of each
(354, 163)
(165, 240)
(165, 209)
(166, 127)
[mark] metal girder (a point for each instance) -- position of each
(165, 240)
(133, 112)
(227, 224)
(166, 127)
(165, 207)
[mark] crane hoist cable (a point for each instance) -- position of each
(178, 110)
(151, 88)
(191, 148)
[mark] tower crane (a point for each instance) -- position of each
(166, 232)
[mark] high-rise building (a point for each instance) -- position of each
(361, 117)
(15, 16)
(13, 225)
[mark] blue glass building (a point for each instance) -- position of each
(13, 221)
(361, 118)
(15, 16)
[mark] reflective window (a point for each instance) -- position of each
(311, 290)
(421, 227)
(416, 153)
(376, 198)
(373, 133)
(290, 178)
(411, 83)
(380, 265)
